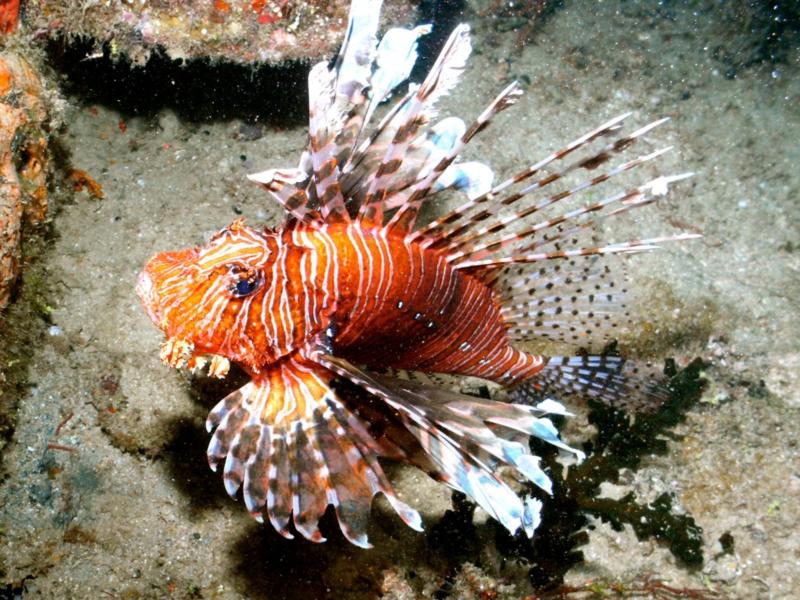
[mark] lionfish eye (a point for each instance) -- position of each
(248, 282)
(245, 287)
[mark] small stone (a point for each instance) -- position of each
(725, 569)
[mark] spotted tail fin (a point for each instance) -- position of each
(613, 380)
(293, 447)
(462, 440)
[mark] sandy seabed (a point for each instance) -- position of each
(133, 511)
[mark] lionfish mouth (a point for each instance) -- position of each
(156, 273)
(176, 352)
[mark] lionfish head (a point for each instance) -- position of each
(207, 299)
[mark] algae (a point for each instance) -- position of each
(23, 325)
(621, 442)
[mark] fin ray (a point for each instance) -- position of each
(466, 438)
(610, 379)
(294, 448)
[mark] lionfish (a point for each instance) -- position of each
(351, 291)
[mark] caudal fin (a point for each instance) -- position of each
(611, 379)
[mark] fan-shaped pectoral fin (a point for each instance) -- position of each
(294, 447)
(464, 440)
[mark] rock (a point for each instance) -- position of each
(272, 31)
(784, 379)
(24, 158)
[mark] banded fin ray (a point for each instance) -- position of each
(294, 448)
(324, 122)
(629, 247)
(405, 217)
(287, 186)
(479, 243)
(467, 438)
(614, 380)
(396, 56)
(442, 228)
(337, 99)
(416, 111)
(353, 66)
(473, 229)
(422, 156)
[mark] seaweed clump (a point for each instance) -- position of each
(22, 326)
(620, 444)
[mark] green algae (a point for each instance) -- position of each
(621, 442)
(23, 327)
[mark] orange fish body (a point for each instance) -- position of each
(401, 305)
(394, 304)
(351, 288)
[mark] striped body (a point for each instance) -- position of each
(349, 288)
(392, 302)
(398, 304)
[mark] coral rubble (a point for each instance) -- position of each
(23, 161)
(272, 31)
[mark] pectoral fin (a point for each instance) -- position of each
(462, 440)
(294, 448)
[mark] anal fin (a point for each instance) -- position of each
(294, 448)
